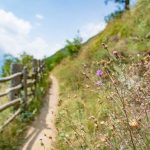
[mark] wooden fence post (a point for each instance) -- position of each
(25, 77)
(15, 68)
(35, 74)
(39, 66)
(35, 69)
(43, 66)
(41, 69)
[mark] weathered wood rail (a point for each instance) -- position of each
(20, 81)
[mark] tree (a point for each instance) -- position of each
(73, 47)
(8, 60)
(26, 60)
(126, 3)
(119, 11)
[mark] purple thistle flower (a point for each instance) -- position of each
(99, 73)
(99, 83)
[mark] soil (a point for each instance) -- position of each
(41, 135)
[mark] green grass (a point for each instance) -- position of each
(79, 97)
(13, 135)
(4, 100)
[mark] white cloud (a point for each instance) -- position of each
(91, 29)
(10, 22)
(16, 33)
(15, 37)
(39, 16)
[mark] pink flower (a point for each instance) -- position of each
(99, 83)
(99, 73)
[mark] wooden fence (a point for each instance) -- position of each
(22, 87)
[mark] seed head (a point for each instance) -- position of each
(103, 138)
(104, 45)
(134, 124)
(102, 122)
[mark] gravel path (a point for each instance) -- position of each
(42, 133)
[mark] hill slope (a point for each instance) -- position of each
(104, 91)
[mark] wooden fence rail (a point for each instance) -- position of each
(21, 80)
(11, 77)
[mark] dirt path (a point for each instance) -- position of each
(43, 128)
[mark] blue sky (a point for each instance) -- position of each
(41, 27)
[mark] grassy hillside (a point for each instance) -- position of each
(55, 59)
(104, 98)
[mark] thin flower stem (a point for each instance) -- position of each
(125, 112)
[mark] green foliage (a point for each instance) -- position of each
(73, 47)
(12, 137)
(114, 15)
(118, 13)
(55, 59)
(26, 60)
(8, 60)
(70, 50)
(125, 3)
(83, 119)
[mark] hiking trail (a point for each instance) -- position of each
(42, 132)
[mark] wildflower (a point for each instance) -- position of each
(134, 123)
(147, 74)
(103, 138)
(87, 86)
(121, 147)
(91, 118)
(99, 72)
(41, 142)
(147, 58)
(96, 121)
(112, 127)
(104, 45)
(60, 102)
(75, 96)
(138, 55)
(103, 62)
(84, 65)
(102, 122)
(82, 128)
(96, 125)
(98, 146)
(118, 121)
(116, 54)
(76, 135)
(99, 83)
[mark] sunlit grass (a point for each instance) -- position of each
(94, 117)
(3, 100)
(91, 117)
(13, 135)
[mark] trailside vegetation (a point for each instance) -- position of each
(13, 135)
(104, 92)
(71, 50)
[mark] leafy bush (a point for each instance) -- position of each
(73, 47)
(70, 50)
(8, 60)
(114, 15)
